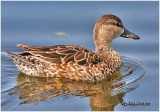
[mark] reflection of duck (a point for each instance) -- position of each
(73, 61)
(100, 93)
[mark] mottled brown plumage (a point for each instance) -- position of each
(73, 61)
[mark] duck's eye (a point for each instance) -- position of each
(117, 24)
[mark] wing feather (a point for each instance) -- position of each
(61, 54)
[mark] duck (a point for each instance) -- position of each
(74, 61)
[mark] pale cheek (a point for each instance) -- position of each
(122, 31)
(119, 32)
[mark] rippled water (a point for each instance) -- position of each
(34, 23)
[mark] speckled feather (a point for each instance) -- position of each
(69, 61)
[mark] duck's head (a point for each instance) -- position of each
(109, 27)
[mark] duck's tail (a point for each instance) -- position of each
(16, 58)
(10, 54)
(21, 63)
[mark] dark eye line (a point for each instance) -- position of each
(118, 24)
(115, 24)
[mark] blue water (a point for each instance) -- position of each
(34, 23)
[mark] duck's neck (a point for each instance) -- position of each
(104, 48)
(110, 56)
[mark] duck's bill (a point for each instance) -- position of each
(128, 34)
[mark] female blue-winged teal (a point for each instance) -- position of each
(73, 61)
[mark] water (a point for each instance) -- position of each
(34, 23)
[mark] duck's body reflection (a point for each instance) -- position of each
(103, 95)
(38, 89)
